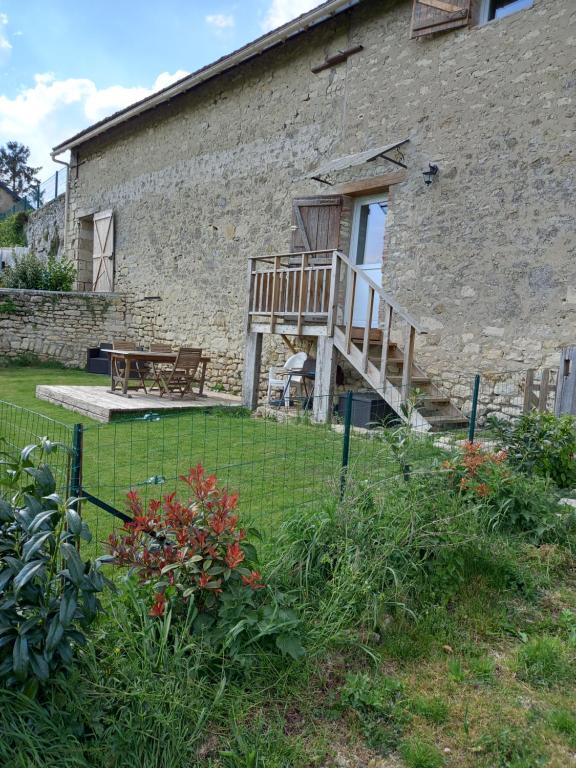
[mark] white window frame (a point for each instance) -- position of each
(485, 12)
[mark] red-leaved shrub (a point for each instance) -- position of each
(189, 551)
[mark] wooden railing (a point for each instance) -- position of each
(389, 315)
(293, 286)
(321, 288)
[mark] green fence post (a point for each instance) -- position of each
(474, 411)
(76, 469)
(346, 444)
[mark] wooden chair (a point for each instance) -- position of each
(182, 374)
(157, 368)
(137, 369)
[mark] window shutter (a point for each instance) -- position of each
(103, 253)
(316, 223)
(429, 16)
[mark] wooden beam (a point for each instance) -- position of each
(544, 389)
(337, 58)
(374, 184)
(528, 390)
(251, 374)
(324, 381)
(441, 5)
(288, 343)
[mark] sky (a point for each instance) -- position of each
(65, 64)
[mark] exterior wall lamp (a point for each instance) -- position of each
(429, 174)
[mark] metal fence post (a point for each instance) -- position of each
(76, 469)
(474, 411)
(38, 197)
(56, 186)
(346, 443)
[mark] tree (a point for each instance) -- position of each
(14, 168)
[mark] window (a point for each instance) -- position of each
(498, 9)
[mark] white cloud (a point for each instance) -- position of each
(281, 11)
(220, 20)
(52, 110)
(5, 44)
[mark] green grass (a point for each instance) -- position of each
(274, 466)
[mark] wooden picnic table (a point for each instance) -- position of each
(140, 356)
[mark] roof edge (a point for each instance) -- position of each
(265, 42)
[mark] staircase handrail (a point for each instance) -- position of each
(384, 295)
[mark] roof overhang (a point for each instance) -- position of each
(350, 161)
(277, 36)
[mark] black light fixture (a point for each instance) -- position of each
(432, 171)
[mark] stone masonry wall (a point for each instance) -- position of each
(45, 228)
(58, 326)
(484, 257)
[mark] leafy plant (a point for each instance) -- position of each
(542, 444)
(196, 561)
(12, 230)
(48, 594)
(33, 273)
(514, 501)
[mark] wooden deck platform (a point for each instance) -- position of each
(102, 405)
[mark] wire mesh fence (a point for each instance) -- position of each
(278, 459)
(20, 427)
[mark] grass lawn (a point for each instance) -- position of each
(434, 639)
(274, 466)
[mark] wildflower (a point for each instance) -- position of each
(483, 490)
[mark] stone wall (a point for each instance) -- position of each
(45, 228)
(484, 257)
(58, 326)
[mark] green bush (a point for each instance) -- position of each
(47, 592)
(12, 230)
(512, 501)
(541, 444)
(33, 273)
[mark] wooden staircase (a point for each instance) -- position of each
(433, 409)
(316, 293)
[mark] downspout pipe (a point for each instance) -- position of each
(66, 198)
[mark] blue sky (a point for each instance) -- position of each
(66, 63)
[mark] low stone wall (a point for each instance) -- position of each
(58, 326)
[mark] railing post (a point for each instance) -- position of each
(351, 294)
(333, 300)
(409, 339)
(346, 444)
(37, 196)
(367, 328)
(386, 328)
(251, 286)
(303, 265)
(275, 284)
(474, 411)
(56, 186)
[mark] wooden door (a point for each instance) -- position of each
(316, 223)
(103, 253)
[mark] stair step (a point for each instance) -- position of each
(414, 380)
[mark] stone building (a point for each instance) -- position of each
(324, 134)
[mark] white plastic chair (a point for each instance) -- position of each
(282, 378)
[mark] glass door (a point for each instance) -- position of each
(367, 248)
